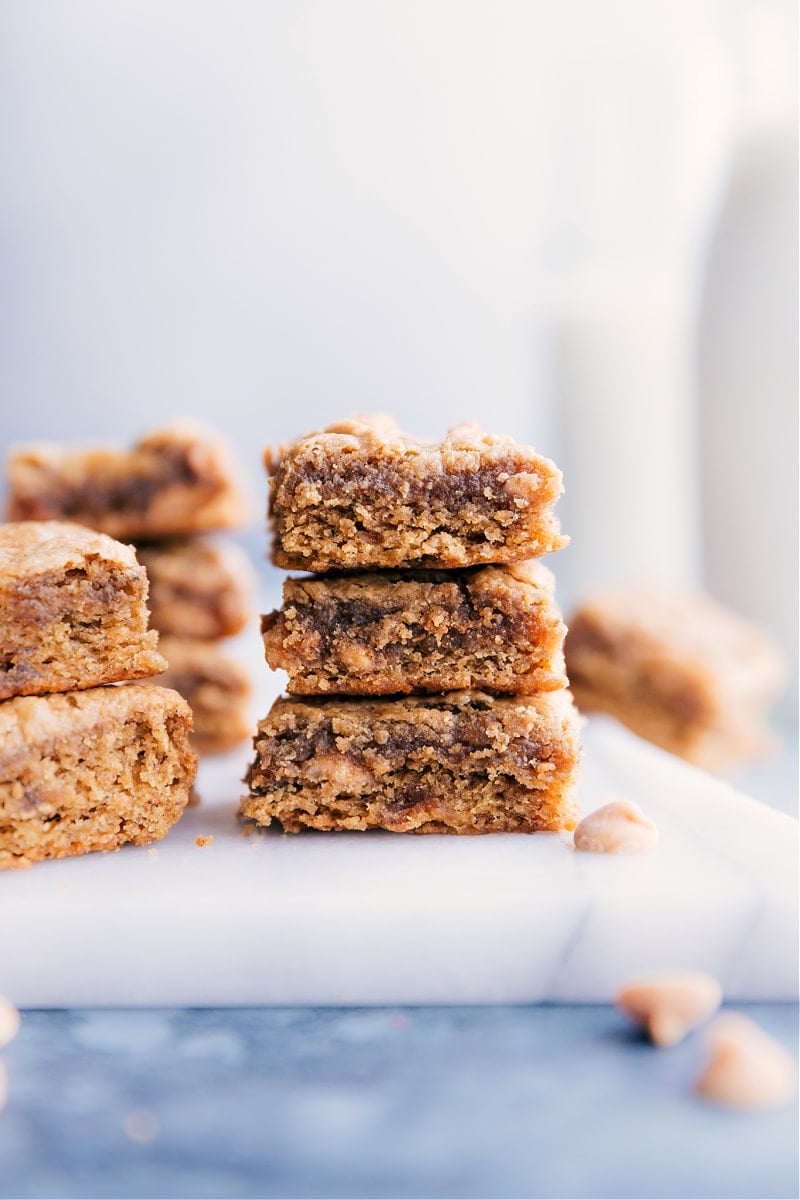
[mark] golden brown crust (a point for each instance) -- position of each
(678, 670)
(361, 494)
(91, 770)
(178, 480)
(464, 762)
(384, 633)
(73, 610)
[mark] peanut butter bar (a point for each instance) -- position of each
(378, 633)
(73, 610)
(216, 687)
(363, 494)
(198, 588)
(177, 481)
(678, 670)
(91, 770)
(459, 763)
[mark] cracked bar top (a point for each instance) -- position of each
(178, 480)
(464, 763)
(382, 633)
(677, 669)
(91, 770)
(216, 687)
(198, 588)
(73, 610)
(363, 494)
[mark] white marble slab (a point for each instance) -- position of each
(390, 919)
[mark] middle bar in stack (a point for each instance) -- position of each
(463, 722)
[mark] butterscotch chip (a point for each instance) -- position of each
(91, 770)
(73, 610)
(216, 687)
(617, 828)
(678, 670)
(746, 1068)
(178, 480)
(9, 1021)
(364, 494)
(383, 633)
(668, 1004)
(464, 762)
(198, 588)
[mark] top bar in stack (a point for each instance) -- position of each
(176, 481)
(73, 610)
(363, 494)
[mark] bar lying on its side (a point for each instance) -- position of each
(678, 670)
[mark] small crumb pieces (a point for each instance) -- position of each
(248, 830)
(670, 1003)
(9, 1021)
(152, 854)
(746, 1069)
(617, 828)
(204, 841)
(141, 1125)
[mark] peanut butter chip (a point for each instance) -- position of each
(617, 828)
(670, 1003)
(9, 1021)
(746, 1068)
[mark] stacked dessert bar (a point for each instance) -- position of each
(83, 765)
(165, 494)
(425, 653)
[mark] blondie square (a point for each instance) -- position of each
(73, 610)
(463, 763)
(198, 588)
(496, 629)
(678, 670)
(178, 480)
(216, 687)
(91, 770)
(361, 494)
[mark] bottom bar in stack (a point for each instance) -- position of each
(462, 762)
(90, 770)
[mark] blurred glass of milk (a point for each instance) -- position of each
(747, 343)
(639, 163)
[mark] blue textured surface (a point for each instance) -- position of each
(448, 1102)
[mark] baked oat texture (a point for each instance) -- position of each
(198, 588)
(216, 687)
(73, 610)
(91, 770)
(178, 480)
(363, 494)
(464, 763)
(679, 670)
(378, 633)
